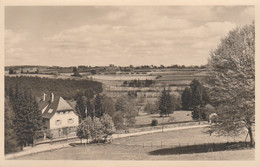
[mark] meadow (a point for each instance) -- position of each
(142, 147)
(177, 116)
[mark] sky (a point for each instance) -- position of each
(119, 35)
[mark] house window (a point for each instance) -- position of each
(50, 110)
(58, 122)
(70, 121)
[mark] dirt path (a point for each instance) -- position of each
(64, 144)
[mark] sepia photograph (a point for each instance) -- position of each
(139, 83)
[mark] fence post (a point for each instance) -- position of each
(143, 144)
(161, 143)
(179, 148)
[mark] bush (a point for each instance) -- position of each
(154, 122)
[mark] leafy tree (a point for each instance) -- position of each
(232, 82)
(122, 104)
(10, 134)
(186, 99)
(98, 130)
(11, 71)
(176, 102)
(85, 128)
(151, 108)
(108, 124)
(118, 120)
(125, 105)
(108, 105)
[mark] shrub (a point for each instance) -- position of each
(154, 122)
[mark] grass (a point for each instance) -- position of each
(177, 116)
(140, 147)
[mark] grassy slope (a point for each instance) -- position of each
(132, 148)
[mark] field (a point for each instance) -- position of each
(177, 116)
(141, 148)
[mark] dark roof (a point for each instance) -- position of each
(50, 108)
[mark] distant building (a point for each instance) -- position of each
(57, 113)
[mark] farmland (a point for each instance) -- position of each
(141, 147)
(174, 79)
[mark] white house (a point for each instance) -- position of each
(57, 113)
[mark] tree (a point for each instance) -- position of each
(75, 72)
(85, 128)
(186, 98)
(151, 108)
(27, 118)
(165, 103)
(108, 105)
(176, 102)
(10, 134)
(124, 105)
(90, 110)
(98, 129)
(98, 106)
(121, 104)
(199, 98)
(108, 124)
(118, 120)
(11, 71)
(232, 82)
(81, 108)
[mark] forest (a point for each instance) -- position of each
(67, 88)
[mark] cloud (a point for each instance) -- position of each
(157, 39)
(248, 13)
(130, 35)
(112, 16)
(15, 38)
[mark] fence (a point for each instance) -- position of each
(50, 135)
(148, 127)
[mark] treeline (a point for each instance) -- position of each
(196, 97)
(121, 111)
(138, 83)
(22, 119)
(166, 104)
(67, 88)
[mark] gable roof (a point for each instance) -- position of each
(50, 108)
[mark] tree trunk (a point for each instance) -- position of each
(252, 141)
(21, 147)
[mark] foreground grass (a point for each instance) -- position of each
(139, 148)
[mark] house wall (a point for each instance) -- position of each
(63, 118)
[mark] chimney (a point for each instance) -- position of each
(44, 97)
(52, 97)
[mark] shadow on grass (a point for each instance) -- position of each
(201, 148)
